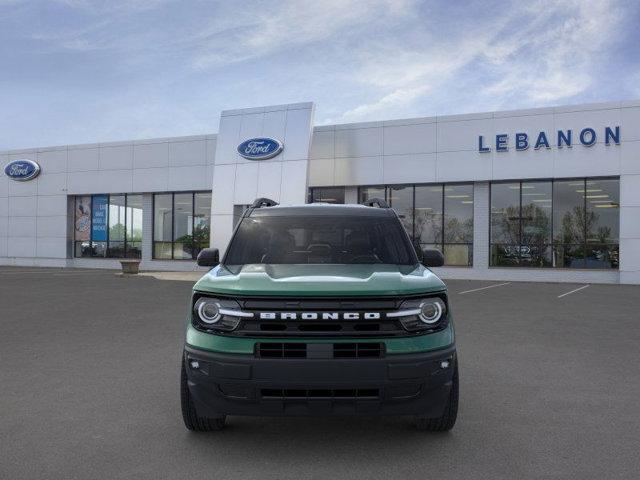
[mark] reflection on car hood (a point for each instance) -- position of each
(320, 280)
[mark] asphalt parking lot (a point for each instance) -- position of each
(89, 379)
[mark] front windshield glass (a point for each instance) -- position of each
(320, 239)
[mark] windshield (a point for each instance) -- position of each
(320, 239)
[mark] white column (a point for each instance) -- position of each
(630, 229)
(147, 226)
(238, 181)
(481, 215)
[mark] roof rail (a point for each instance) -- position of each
(376, 202)
(263, 202)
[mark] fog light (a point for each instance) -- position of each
(444, 364)
(194, 364)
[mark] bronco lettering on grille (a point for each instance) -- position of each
(319, 315)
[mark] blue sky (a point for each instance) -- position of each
(76, 71)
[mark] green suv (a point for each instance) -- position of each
(319, 310)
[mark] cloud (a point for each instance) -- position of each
(555, 63)
(286, 25)
(397, 98)
(406, 76)
(121, 69)
(542, 53)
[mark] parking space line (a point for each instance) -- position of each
(484, 288)
(573, 291)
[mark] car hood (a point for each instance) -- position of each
(320, 280)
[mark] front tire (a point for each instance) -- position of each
(192, 420)
(450, 414)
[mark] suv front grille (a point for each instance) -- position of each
(324, 393)
(292, 328)
(281, 350)
(308, 317)
(322, 351)
(256, 327)
(357, 350)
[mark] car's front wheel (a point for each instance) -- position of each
(190, 416)
(450, 414)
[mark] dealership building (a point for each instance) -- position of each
(547, 194)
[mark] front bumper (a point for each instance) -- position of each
(405, 384)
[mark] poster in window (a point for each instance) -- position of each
(83, 219)
(99, 220)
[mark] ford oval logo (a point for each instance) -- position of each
(22, 170)
(260, 148)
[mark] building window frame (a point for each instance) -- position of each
(172, 242)
(126, 242)
(554, 244)
(312, 190)
(412, 234)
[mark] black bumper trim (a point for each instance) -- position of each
(234, 384)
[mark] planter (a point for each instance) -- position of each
(130, 266)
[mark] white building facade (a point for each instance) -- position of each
(549, 194)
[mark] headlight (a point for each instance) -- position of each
(217, 314)
(421, 314)
(208, 310)
(431, 310)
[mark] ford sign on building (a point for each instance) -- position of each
(549, 194)
(22, 170)
(260, 148)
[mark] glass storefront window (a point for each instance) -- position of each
(569, 223)
(117, 219)
(401, 200)
(603, 223)
(82, 226)
(568, 212)
(182, 223)
(428, 215)
(564, 223)
(367, 193)
(458, 225)
(535, 230)
(505, 220)
(162, 225)
(326, 195)
(435, 216)
(521, 224)
(201, 221)
(108, 226)
(134, 226)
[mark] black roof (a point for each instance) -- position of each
(318, 209)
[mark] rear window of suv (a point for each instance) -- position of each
(320, 239)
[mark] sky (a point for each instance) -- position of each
(80, 71)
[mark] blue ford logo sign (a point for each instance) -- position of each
(22, 170)
(260, 148)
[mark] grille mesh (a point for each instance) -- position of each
(325, 393)
(336, 350)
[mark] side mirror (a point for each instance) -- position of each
(208, 257)
(432, 258)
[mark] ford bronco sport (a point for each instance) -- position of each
(319, 310)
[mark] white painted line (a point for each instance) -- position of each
(484, 288)
(573, 291)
